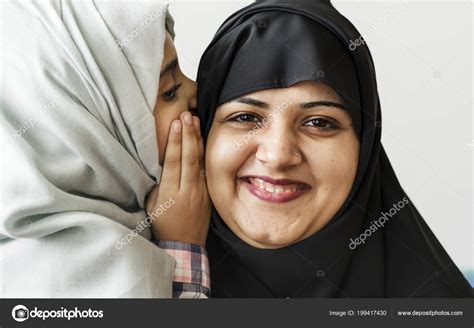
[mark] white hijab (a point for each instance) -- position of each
(79, 150)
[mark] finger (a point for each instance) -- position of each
(171, 175)
(197, 128)
(190, 153)
(200, 145)
(202, 168)
(196, 125)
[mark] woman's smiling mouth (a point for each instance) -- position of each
(275, 191)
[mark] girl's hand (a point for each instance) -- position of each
(183, 185)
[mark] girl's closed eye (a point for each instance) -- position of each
(170, 94)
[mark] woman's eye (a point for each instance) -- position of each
(245, 118)
(171, 93)
(322, 124)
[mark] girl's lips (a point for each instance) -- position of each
(274, 193)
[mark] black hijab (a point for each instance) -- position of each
(274, 44)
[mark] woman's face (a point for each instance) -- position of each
(281, 162)
(176, 94)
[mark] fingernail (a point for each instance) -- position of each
(188, 118)
(177, 126)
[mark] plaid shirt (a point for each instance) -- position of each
(191, 275)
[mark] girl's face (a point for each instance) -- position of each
(281, 162)
(176, 94)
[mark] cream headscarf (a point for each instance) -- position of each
(79, 150)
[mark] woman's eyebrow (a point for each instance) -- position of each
(313, 104)
(307, 105)
(171, 66)
(252, 102)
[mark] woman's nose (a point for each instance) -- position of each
(277, 148)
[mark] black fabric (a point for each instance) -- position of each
(272, 44)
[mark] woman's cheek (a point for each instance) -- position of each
(229, 149)
(343, 170)
(220, 161)
(329, 166)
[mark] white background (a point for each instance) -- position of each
(423, 59)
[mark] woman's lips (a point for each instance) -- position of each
(275, 191)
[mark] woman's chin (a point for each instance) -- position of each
(273, 232)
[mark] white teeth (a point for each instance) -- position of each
(279, 190)
(274, 189)
(269, 187)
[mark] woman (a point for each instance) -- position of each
(89, 96)
(306, 203)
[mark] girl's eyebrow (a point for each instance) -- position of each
(260, 104)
